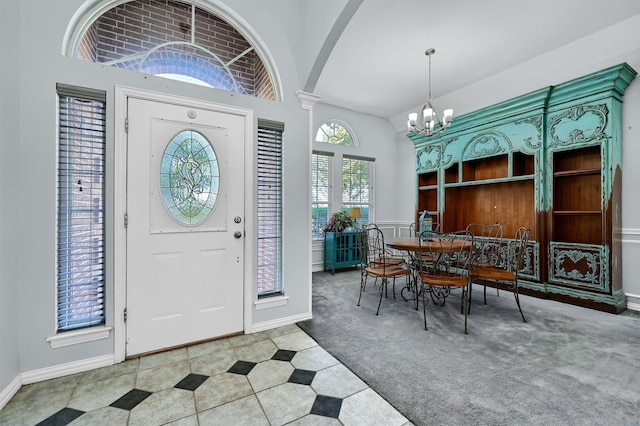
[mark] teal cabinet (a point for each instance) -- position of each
(340, 250)
(549, 160)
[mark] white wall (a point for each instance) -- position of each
(9, 207)
(611, 46)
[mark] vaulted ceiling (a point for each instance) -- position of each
(373, 58)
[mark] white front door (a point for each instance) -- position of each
(185, 232)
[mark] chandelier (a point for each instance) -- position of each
(428, 118)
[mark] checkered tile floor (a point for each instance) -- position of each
(271, 378)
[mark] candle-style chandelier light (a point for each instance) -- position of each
(426, 124)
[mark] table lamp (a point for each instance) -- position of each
(355, 214)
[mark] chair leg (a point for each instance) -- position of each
(363, 283)
(465, 298)
(394, 287)
(517, 296)
(383, 288)
(424, 303)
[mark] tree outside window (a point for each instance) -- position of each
(356, 179)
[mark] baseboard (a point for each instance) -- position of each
(633, 301)
(67, 368)
(8, 392)
(280, 322)
(633, 306)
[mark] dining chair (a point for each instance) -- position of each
(450, 270)
(487, 247)
(507, 269)
(375, 262)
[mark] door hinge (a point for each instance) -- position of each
(126, 125)
(125, 314)
(126, 220)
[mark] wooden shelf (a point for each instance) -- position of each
(490, 182)
(452, 174)
(577, 196)
(523, 164)
(577, 172)
(486, 168)
(428, 187)
(428, 179)
(577, 159)
(576, 212)
(512, 203)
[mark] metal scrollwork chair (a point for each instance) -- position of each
(487, 247)
(375, 261)
(507, 270)
(449, 270)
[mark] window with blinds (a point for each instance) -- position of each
(80, 215)
(269, 208)
(321, 177)
(357, 186)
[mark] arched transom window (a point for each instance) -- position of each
(335, 133)
(178, 40)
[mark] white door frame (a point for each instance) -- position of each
(122, 93)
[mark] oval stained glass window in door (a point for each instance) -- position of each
(189, 178)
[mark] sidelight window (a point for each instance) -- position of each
(269, 208)
(80, 212)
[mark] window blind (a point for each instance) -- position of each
(80, 219)
(357, 186)
(269, 208)
(321, 178)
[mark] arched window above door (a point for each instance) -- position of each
(173, 39)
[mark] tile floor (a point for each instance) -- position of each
(275, 377)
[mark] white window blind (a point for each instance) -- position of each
(80, 219)
(321, 177)
(269, 208)
(357, 186)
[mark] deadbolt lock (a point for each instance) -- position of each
(237, 219)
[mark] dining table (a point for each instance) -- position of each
(415, 249)
(414, 245)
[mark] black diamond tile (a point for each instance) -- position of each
(62, 417)
(131, 399)
(302, 377)
(283, 355)
(191, 382)
(326, 406)
(242, 367)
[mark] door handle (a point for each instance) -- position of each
(237, 234)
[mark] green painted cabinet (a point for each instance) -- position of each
(551, 161)
(340, 250)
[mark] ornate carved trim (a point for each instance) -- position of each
(578, 265)
(487, 144)
(575, 133)
(535, 121)
(428, 157)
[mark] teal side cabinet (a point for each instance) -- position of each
(340, 250)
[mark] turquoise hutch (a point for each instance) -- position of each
(551, 161)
